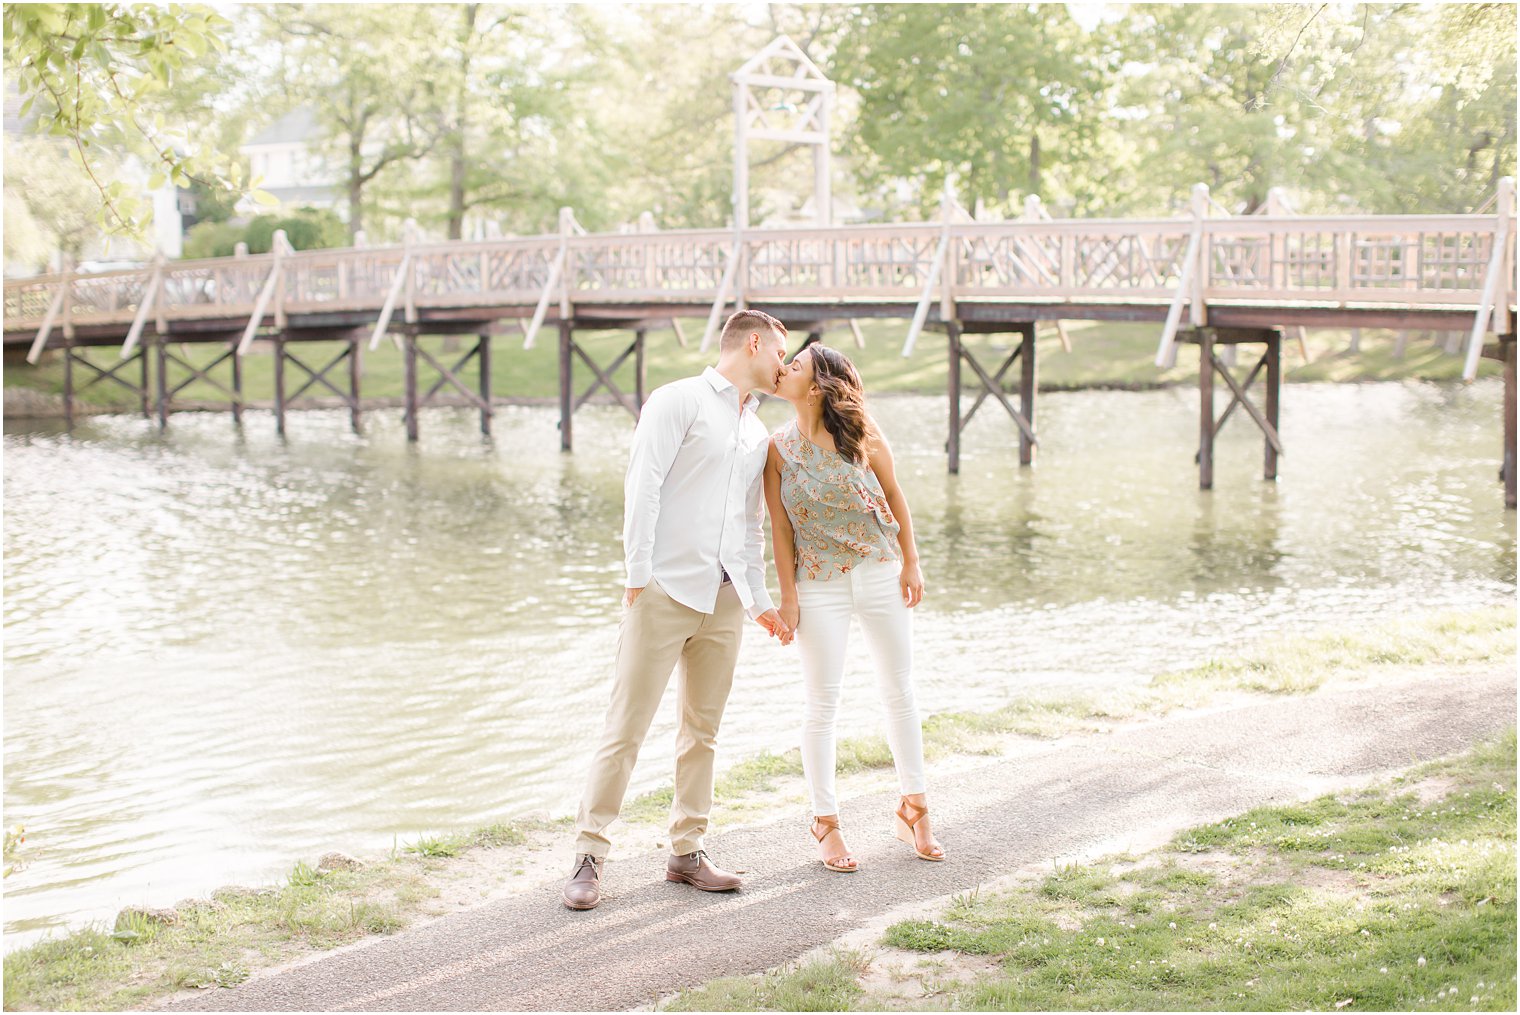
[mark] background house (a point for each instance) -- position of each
(286, 161)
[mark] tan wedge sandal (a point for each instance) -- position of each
(844, 863)
(906, 821)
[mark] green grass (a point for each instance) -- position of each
(827, 984)
(217, 942)
(1103, 355)
(1385, 899)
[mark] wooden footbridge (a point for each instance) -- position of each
(1207, 280)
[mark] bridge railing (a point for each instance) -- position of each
(1405, 261)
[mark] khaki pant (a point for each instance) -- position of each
(657, 633)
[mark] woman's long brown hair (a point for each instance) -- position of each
(844, 403)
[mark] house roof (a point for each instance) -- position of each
(295, 126)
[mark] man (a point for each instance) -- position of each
(694, 547)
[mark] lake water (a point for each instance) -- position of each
(225, 653)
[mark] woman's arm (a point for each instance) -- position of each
(783, 545)
(880, 460)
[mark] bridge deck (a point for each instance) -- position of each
(1405, 271)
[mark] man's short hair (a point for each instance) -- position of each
(739, 326)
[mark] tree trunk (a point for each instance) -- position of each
(355, 187)
(1034, 163)
(457, 136)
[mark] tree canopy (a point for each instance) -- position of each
(460, 114)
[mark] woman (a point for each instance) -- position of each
(843, 543)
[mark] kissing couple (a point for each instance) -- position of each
(701, 471)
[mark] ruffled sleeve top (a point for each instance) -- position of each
(838, 510)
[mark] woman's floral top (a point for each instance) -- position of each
(838, 511)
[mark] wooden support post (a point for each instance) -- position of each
(1400, 343)
(483, 354)
(279, 383)
(160, 345)
(1205, 409)
(1507, 470)
(147, 409)
(355, 372)
(409, 371)
(953, 331)
(1274, 388)
(566, 382)
(1356, 341)
(237, 387)
(640, 371)
(68, 383)
(1029, 376)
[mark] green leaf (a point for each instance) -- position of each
(264, 198)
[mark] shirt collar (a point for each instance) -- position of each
(723, 386)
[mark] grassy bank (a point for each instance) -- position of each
(1399, 897)
(215, 942)
(148, 954)
(1103, 355)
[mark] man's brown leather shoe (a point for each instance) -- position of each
(584, 889)
(696, 870)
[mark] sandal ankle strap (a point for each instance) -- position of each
(906, 806)
(829, 825)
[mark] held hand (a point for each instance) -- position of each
(771, 621)
(912, 584)
(789, 614)
(631, 596)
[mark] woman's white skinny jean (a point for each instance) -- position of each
(869, 592)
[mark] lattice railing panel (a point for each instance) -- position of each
(1121, 263)
(1436, 261)
(106, 297)
(1010, 262)
(28, 300)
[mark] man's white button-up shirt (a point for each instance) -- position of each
(693, 500)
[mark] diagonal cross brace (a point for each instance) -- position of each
(446, 376)
(1235, 399)
(996, 390)
(997, 379)
(1240, 397)
(320, 377)
(197, 374)
(604, 377)
(104, 373)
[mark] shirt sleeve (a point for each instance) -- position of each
(754, 547)
(663, 423)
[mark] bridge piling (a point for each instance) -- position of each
(355, 371)
(1274, 388)
(483, 355)
(640, 371)
(566, 390)
(1205, 409)
(953, 445)
(279, 384)
(1507, 470)
(1028, 381)
(68, 384)
(237, 388)
(161, 353)
(409, 373)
